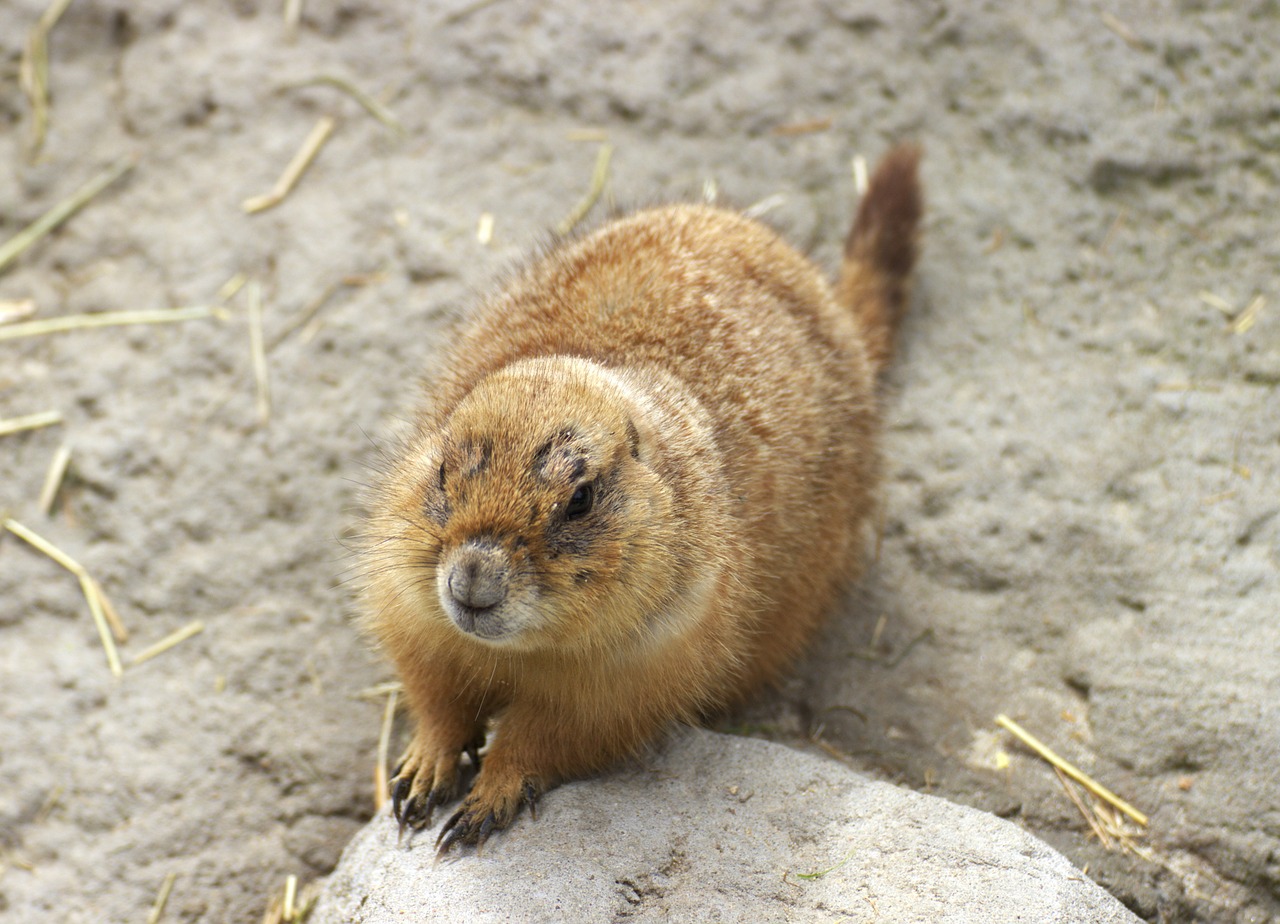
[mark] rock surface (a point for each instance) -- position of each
(724, 829)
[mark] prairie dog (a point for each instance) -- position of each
(638, 483)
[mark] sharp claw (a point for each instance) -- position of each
(531, 798)
(443, 850)
(486, 828)
(473, 751)
(457, 835)
(421, 807)
(450, 832)
(435, 798)
(413, 812)
(399, 789)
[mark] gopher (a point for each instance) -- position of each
(642, 475)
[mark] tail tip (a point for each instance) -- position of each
(886, 227)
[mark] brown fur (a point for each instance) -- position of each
(698, 386)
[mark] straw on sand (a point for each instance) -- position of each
(860, 181)
(293, 172)
(29, 422)
(92, 591)
(170, 640)
(384, 746)
(468, 10)
(598, 178)
(102, 319)
(258, 351)
(51, 219)
(33, 72)
(16, 309)
(1070, 770)
(1090, 818)
(803, 127)
(284, 906)
(53, 478)
(1122, 30)
(484, 229)
(587, 134)
(292, 16)
(231, 287)
(109, 612)
(764, 206)
(162, 898)
(367, 102)
(1242, 322)
(818, 874)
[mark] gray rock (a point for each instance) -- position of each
(719, 828)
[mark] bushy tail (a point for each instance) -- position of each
(880, 252)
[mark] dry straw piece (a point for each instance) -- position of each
(102, 319)
(1070, 770)
(290, 894)
(830, 869)
(587, 134)
(16, 309)
(1213, 300)
(467, 11)
(169, 641)
(308, 314)
(367, 102)
(1090, 818)
(118, 630)
(258, 351)
(379, 690)
(484, 229)
(231, 287)
(53, 478)
(92, 591)
(162, 898)
(860, 181)
(1241, 323)
(598, 178)
(764, 206)
(380, 781)
(33, 73)
(803, 127)
(292, 16)
(29, 422)
(298, 166)
(284, 907)
(51, 219)
(1121, 29)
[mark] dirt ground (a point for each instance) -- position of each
(1084, 433)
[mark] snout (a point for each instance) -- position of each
(473, 583)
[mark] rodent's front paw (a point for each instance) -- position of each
(426, 778)
(488, 808)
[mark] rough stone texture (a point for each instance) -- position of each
(1082, 503)
(724, 829)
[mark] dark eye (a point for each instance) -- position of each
(581, 501)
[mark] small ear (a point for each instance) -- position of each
(434, 455)
(642, 440)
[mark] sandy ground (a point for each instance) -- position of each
(1084, 475)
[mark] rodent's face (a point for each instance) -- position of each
(543, 522)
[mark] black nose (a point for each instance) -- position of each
(478, 577)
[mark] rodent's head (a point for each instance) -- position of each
(541, 510)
